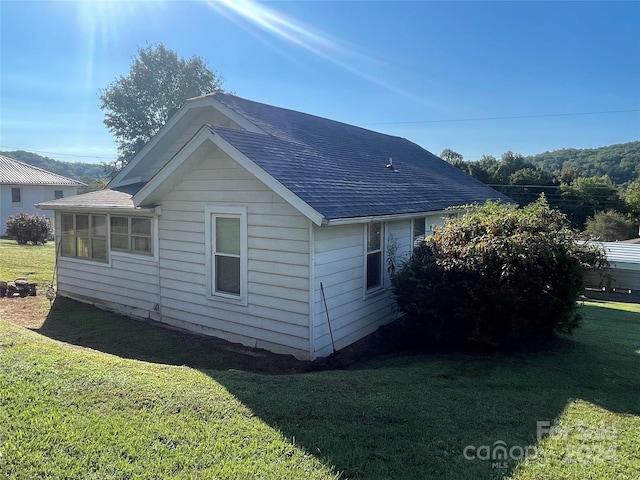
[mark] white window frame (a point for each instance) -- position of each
(428, 230)
(130, 235)
(91, 237)
(375, 288)
(211, 213)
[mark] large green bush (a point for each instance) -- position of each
(25, 228)
(499, 277)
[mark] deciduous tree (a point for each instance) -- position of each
(136, 106)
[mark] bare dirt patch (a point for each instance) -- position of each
(29, 312)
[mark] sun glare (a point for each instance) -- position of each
(304, 36)
(105, 22)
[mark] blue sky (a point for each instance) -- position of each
(476, 77)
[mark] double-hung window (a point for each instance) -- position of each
(227, 252)
(374, 257)
(419, 230)
(84, 236)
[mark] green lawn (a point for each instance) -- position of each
(35, 262)
(151, 403)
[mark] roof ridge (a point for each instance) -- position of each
(220, 96)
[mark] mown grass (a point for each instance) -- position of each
(71, 413)
(35, 262)
(181, 410)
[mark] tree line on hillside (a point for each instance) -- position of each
(619, 162)
(91, 174)
(595, 203)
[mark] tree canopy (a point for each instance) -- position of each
(580, 183)
(619, 162)
(136, 106)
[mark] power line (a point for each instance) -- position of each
(482, 119)
(99, 157)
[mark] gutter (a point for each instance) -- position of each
(386, 218)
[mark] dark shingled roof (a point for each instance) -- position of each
(341, 170)
(97, 199)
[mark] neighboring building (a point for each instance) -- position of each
(22, 186)
(621, 281)
(243, 220)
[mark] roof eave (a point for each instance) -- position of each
(98, 209)
(392, 217)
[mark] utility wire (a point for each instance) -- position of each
(482, 119)
(99, 157)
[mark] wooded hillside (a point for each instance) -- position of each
(77, 170)
(620, 162)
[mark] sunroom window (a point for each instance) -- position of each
(84, 236)
(131, 234)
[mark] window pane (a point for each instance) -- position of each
(374, 270)
(228, 274)
(119, 242)
(419, 227)
(82, 247)
(99, 251)
(67, 224)
(120, 225)
(68, 245)
(374, 231)
(141, 226)
(141, 244)
(98, 226)
(228, 235)
(57, 194)
(82, 225)
(15, 195)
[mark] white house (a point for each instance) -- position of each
(22, 186)
(243, 220)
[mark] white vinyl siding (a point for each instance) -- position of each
(339, 264)
(128, 285)
(274, 311)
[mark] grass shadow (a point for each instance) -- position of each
(396, 416)
(86, 326)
